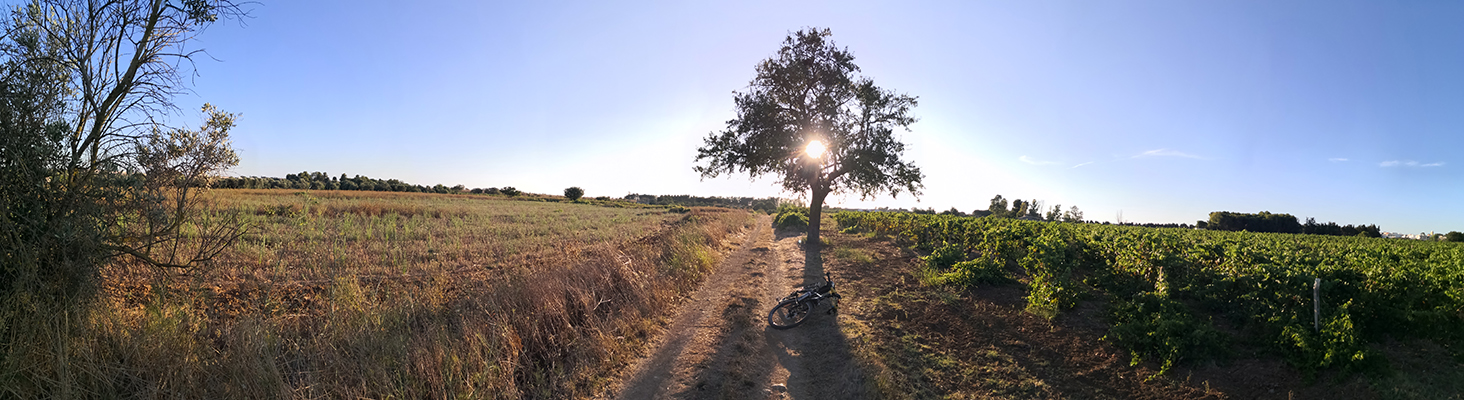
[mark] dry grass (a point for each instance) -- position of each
(380, 295)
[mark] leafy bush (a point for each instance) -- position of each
(791, 216)
(944, 257)
(983, 270)
(1157, 328)
(1049, 261)
(679, 209)
(791, 220)
(948, 265)
(509, 191)
(574, 193)
(1336, 344)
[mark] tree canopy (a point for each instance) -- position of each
(88, 88)
(809, 93)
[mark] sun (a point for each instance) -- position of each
(815, 149)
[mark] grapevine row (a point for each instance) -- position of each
(1170, 290)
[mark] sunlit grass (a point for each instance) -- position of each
(317, 235)
(379, 295)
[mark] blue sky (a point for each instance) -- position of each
(1165, 111)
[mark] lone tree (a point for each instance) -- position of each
(573, 193)
(811, 122)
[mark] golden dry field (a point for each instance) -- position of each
(322, 234)
(394, 295)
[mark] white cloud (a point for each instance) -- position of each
(1167, 153)
(1337, 159)
(1409, 163)
(1086, 163)
(1033, 161)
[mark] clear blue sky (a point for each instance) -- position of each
(1344, 111)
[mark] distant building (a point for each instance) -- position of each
(1396, 235)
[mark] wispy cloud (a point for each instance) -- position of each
(1034, 161)
(1337, 159)
(1409, 163)
(1167, 153)
(1147, 154)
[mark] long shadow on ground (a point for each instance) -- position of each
(816, 354)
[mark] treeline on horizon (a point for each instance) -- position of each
(306, 180)
(765, 204)
(323, 181)
(1266, 221)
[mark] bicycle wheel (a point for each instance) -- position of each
(788, 314)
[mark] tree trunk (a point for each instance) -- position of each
(815, 217)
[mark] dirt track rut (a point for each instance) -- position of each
(718, 345)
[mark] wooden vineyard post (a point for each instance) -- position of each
(1317, 305)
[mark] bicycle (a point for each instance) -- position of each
(794, 308)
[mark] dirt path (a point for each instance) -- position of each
(719, 346)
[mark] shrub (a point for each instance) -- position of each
(791, 220)
(602, 198)
(574, 193)
(1154, 327)
(791, 216)
(509, 191)
(944, 257)
(980, 271)
(679, 209)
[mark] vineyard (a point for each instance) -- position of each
(1177, 295)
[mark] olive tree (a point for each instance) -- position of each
(810, 121)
